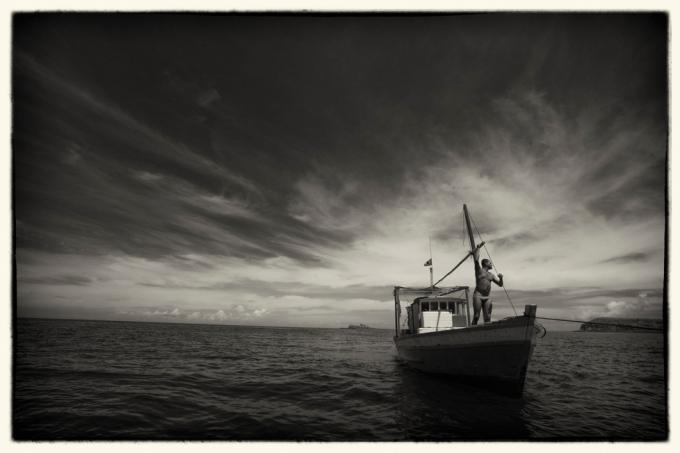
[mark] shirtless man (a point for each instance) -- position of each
(481, 299)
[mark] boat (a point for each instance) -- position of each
(437, 336)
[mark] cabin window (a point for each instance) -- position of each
(452, 307)
(442, 306)
(425, 306)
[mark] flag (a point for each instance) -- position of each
(428, 262)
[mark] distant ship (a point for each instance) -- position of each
(437, 336)
(360, 326)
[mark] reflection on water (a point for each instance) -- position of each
(436, 408)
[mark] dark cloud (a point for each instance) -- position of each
(60, 280)
(109, 188)
(629, 258)
(124, 124)
(514, 240)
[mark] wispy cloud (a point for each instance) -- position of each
(61, 280)
(234, 313)
(309, 192)
(175, 215)
(629, 258)
(162, 147)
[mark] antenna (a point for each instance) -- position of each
(431, 265)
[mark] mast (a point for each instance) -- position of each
(472, 251)
(469, 228)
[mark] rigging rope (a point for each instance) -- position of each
(538, 326)
(454, 268)
(602, 323)
(492, 263)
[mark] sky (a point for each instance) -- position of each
(290, 170)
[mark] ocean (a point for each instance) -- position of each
(100, 380)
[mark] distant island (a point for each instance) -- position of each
(621, 325)
(360, 326)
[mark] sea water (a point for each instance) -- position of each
(125, 380)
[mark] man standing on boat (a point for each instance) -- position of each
(481, 299)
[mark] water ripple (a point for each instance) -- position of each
(108, 380)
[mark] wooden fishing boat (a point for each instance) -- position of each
(437, 335)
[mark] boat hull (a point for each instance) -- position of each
(496, 354)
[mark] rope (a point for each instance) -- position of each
(539, 327)
(492, 261)
(458, 265)
(455, 267)
(602, 323)
(449, 292)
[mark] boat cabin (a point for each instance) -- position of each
(433, 310)
(432, 314)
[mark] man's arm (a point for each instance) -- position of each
(498, 279)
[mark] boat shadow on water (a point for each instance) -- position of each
(435, 407)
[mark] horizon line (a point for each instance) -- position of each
(189, 323)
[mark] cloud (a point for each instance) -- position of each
(147, 177)
(98, 213)
(329, 200)
(59, 280)
(235, 313)
(174, 217)
(208, 97)
(629, 258)
(515, 240)
(171, 149)
(269, 288)
(161, 312)
(188, 188)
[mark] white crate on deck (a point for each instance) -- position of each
(437, 319)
